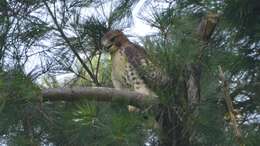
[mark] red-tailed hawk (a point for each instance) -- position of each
(131, 67)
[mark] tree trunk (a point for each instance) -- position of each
(176, 122)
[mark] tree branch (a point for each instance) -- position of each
(60, 30)
(98, 94)
(230, 108)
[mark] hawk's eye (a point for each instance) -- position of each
(113, 38)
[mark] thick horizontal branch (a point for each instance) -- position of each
(98, 94)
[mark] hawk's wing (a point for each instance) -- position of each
(152, 75)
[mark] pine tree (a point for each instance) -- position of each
(195, 42)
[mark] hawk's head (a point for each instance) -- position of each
(113, 40)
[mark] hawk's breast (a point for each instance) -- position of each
(124, 74)
(119, 63)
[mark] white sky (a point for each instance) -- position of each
(140, 28)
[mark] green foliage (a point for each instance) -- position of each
(244, 16)
(91, 123)
(234, 45)
(34, 31)
(16, 87)
(19, 98)
(179, 46)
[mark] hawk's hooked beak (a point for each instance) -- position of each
(107, 45)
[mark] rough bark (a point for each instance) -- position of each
(192, 83)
